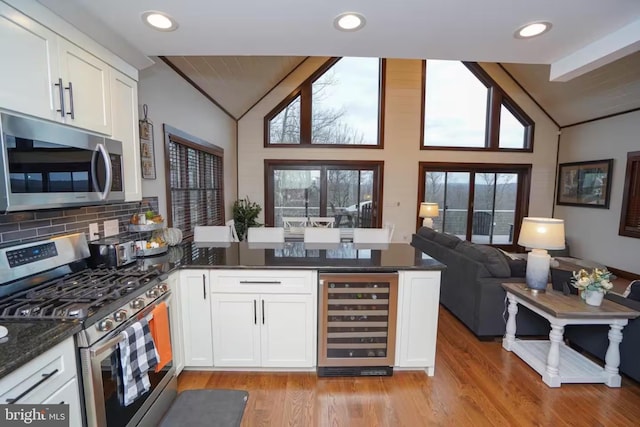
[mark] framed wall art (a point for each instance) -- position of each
(147, 158)
(585, 183)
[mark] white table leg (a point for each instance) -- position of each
(612, 357)
(551, 376)
(510, 334)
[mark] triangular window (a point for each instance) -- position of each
(339, 105)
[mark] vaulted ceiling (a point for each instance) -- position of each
(237, 50)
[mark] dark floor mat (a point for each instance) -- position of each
(210, 408)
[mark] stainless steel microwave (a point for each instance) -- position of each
(46, 165)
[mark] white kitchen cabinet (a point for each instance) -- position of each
(196, 318)
(87, 94)
(51, 377)
(175, 316)
(264, 318)
(30, 67)
(417, 323)
(270, 330)
(236, 331)
(124, 117)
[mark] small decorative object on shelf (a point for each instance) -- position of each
(149, 222)
(592, 285)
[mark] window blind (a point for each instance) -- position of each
(196, 185)
(630, 215)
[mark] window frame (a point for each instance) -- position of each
(304, 90)
(522, 198)
(496, 98)
(176, 136)
(271, 164)
(629, 200)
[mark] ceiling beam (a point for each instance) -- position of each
(616, 45)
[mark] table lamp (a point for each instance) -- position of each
(428, 210)
(540, 234)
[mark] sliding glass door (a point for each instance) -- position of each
(479, 203)
(346, 191)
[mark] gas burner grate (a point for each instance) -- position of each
(75, 296)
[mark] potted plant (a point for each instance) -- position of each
(592, 285)
(245, 214)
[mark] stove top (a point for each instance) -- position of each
(76, 296)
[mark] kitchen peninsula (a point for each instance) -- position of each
(257, 308)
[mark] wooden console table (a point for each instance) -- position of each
(553, 359)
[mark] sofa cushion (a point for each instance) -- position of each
(494, 261)
(427, 233)
(518, 267)
(448, 240)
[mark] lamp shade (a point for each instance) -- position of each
(542, 233)
(428, 210)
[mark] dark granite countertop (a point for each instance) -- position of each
(28, 339)
(294, 255)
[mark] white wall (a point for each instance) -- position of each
(592, 232)
(401, 152)
(173, 101)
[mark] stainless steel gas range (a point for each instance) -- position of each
(50, 280)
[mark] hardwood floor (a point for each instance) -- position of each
(476, 383)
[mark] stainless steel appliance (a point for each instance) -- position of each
(357, 331)
(112, 252)
(47, 165)
(106, 301)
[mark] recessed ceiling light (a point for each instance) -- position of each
(349, 21)
(159, 21)
(533, 29)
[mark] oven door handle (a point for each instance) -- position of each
(106, 346)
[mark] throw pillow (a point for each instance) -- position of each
(490, 257)
(427, 233)
(633, 290)
(448, 240)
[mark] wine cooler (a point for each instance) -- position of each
(357, 324)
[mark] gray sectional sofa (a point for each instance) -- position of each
(471, 284)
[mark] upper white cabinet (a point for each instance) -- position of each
(124, 117)
(30, 66)
(86, 94)
(50, 77)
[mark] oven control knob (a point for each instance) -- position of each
(153, 292)
(163, 287)
(120, 316)
(105, 325)
(137, 303)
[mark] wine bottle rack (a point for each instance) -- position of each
(358, 319)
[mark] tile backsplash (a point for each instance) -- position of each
(23, 227)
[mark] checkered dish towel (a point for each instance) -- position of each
(137, 355)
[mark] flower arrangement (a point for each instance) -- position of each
(597, 280)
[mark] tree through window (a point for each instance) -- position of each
(339, 105)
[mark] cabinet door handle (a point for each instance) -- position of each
(33, 387)
(255, 313)
(204, 287)
(260, 282)
(61, 94)
(263, 312)
(70, 89)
